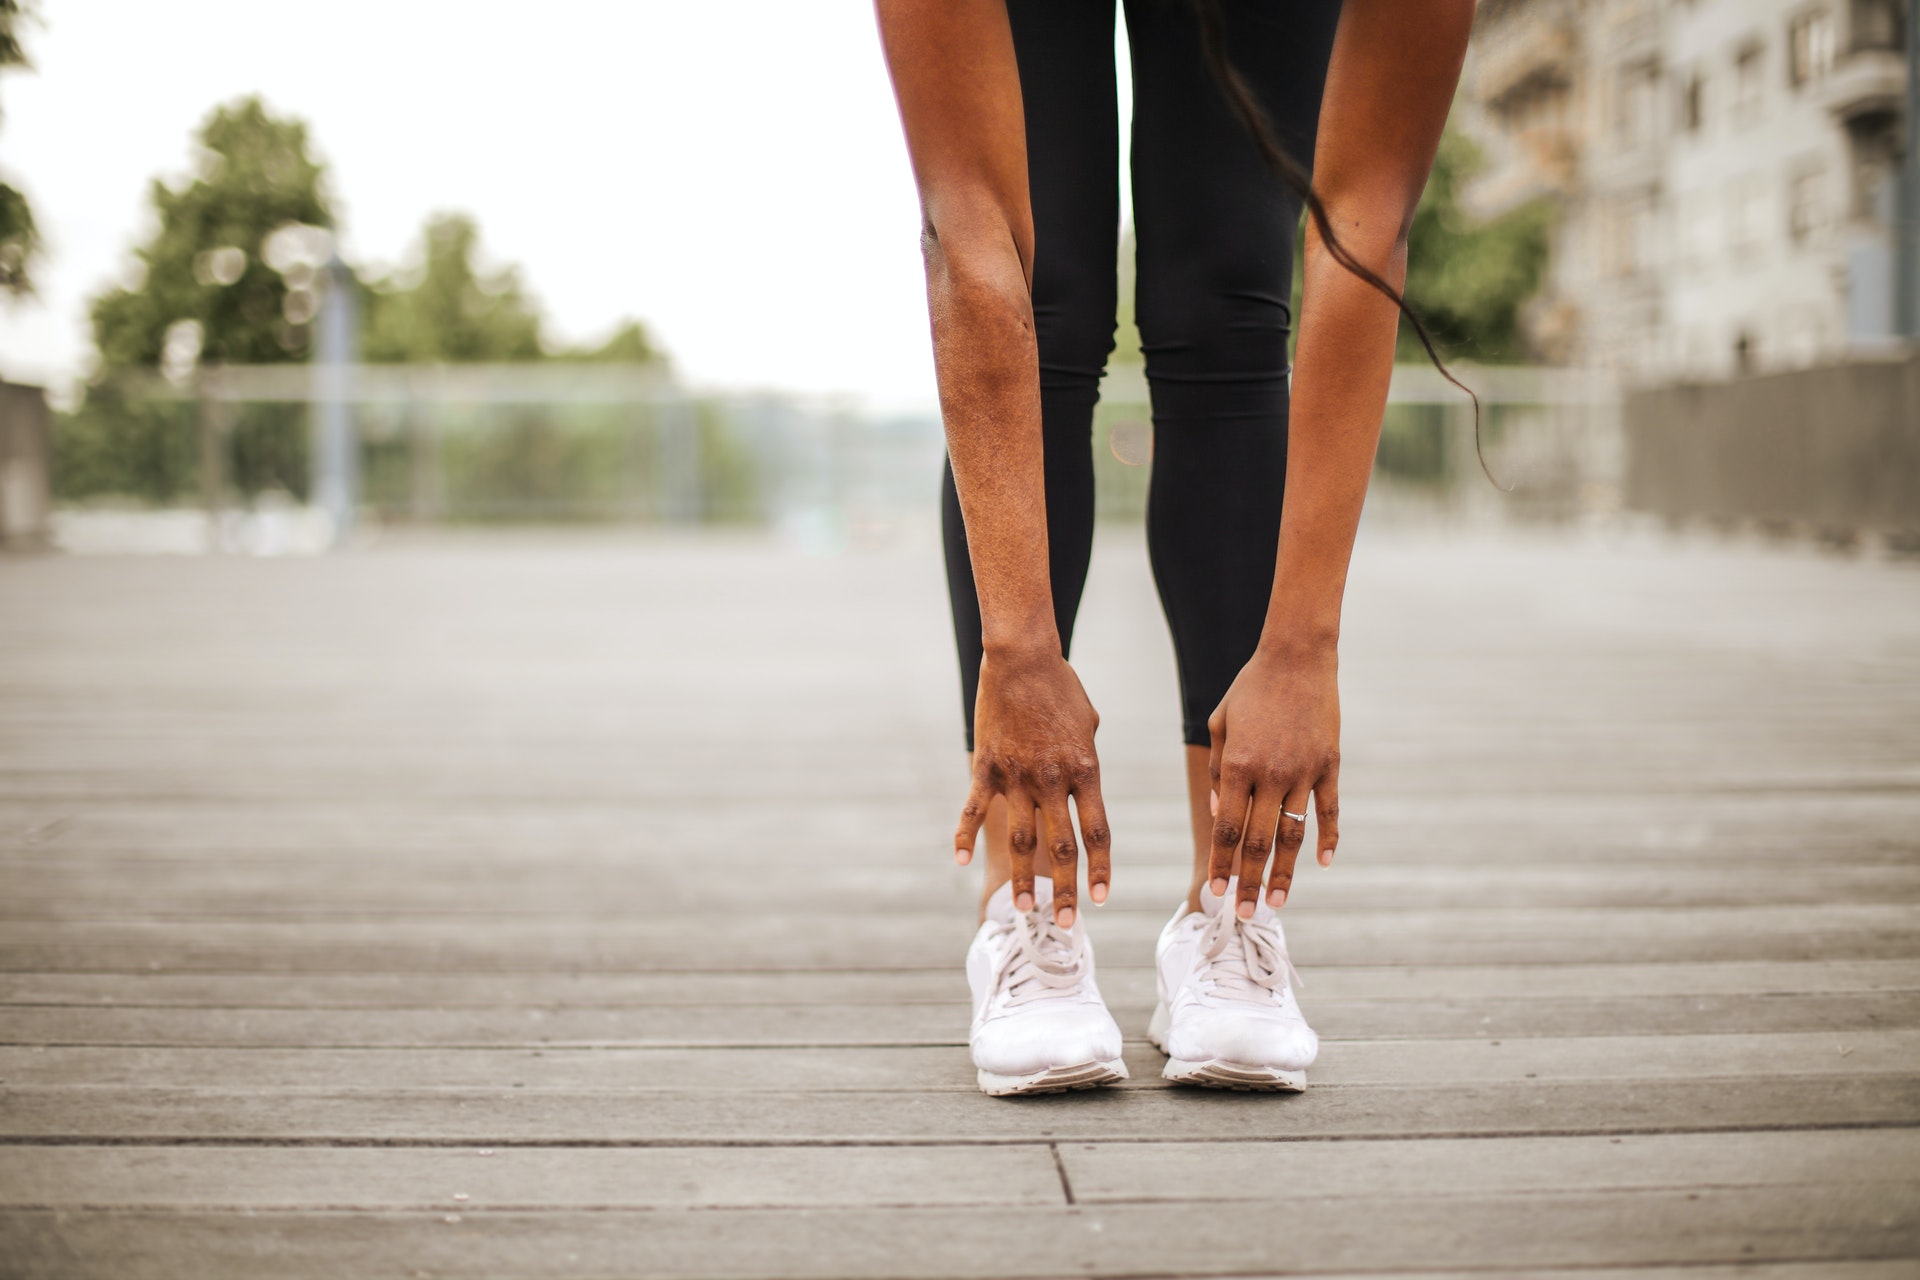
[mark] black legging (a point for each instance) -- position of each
(1214, 231)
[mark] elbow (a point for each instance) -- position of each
(972, 244)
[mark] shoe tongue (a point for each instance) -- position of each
(1000, 905)
(1211, 903)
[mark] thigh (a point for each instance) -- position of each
(1215, 227)
(1065, 51)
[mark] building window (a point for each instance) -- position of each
(1628, 243)
(1749, 85)
(1699, 230)
(1635, 105)
(1810, 41)
(1747, 214)
(1693, 101)
(1807, 206)
(1878, 24)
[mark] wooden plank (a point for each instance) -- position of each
(1132, 986)
(926, 1022)
(823, 1066)
(1213, 1172)
(1860, 931)
(461, 1179)
(1691, 931)
(1623, 1228)
(945, 1109)
(473, 1179)
(315, 889)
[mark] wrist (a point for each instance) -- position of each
(1021, 644)
(1297, 643)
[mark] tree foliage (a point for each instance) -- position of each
(446, 307)
(205, 264)
(231, 274)
(19, 235)
(1469, 279)
(452, 311)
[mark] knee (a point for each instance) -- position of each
(1073, 318)
(1218, 313)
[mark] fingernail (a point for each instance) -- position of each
(1099, 892)
(1219, 886)
(1023, 902)
(1065, 918)
(1246, 910)
(963, 856)
(1213, 803)
(1326, 857)
(1277, 899)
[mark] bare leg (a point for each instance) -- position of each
(1200, 813)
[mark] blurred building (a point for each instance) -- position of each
(1725, 170)
(26, 461)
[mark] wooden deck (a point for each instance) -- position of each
(567, 906)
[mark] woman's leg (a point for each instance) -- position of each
(1215, 232)
(1065, 49)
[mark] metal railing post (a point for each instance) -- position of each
(336, 451)
(1906, 284)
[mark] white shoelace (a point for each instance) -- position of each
(1245, 958)
(1043, 962)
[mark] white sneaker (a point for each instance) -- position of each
(1039, 1025)
(1227, 1018)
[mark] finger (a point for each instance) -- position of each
(1256, 846)
(1095, 835)
(1063, 855)
(973, 814)
(1326, 812)
(1286, 845)
(1217, 734)
(1021, 838)
(1229, 824)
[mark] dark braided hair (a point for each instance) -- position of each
(1213, 42)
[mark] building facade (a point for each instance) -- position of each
(1725, 171)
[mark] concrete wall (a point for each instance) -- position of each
(26, 459)
(1833, 448)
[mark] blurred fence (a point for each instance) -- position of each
(1834, 450)
(538, 443)
(558, 442)
(1551, 436)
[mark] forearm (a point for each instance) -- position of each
(1344, 362)
(1391, 79)
(988, 368)
(958, 86)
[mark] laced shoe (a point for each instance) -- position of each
(1227, 1017)
(1039, 1025)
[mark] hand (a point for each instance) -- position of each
(1276, 740)
(1033, 743)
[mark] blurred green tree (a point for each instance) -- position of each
(209, 288)
(629, 344)
(19, 236)
(231, 273)
(447, 308)
(1469, 279)
(228, 275)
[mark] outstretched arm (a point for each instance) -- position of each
(1276, 735)
(958, 86)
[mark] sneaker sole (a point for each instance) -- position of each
(1085, 1075)
(1218, 1073)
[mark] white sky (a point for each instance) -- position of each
(732, 172)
